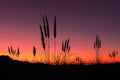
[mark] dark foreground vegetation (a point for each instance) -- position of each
(18, 70)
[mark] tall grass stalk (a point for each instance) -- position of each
(48, 36)
(42, 38)
(18, 52)
(97, 46)
(55, 34)
(9, 50)
(45, 32)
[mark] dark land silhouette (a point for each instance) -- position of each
(14, 70)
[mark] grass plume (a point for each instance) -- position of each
(48, 36)
(97, 46)
(42, 38)
(18, 52)
(113, 55)
(34, 51)
(55, 34)
(65, 48)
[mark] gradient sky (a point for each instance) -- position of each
(80, 20)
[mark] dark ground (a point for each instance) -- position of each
(17, 70)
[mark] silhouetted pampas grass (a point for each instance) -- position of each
(45, 35)
(97, 46)
(55, 31)
(42, 38)
(9, 50)
(45, 31)
(14, 52)
(55, 34)
(45, 27)
(60, 58)
(45, 38)
(34, 51)
(48, 37)
(113, 55)
(79, 60)
(18, 52)
(65, 48)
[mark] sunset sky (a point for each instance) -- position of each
(80, 20)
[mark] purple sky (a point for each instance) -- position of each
(80, 20)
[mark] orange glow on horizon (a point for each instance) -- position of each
(87, 53)
(87, 59)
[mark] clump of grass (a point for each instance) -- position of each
(14, 52)
(57, 58)
(62, 59)
(113, 55)
(69, 58)
(65, 48)
(97, 46)
(45, 38)
(65, 57)
(79, 60)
